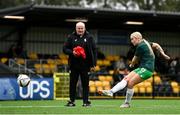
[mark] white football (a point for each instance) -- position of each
(23, 80)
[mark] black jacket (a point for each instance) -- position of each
(88, 43)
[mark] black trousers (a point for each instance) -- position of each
(74, 76)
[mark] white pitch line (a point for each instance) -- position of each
(42, 106)
(50, 106)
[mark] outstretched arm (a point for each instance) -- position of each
(158, 48)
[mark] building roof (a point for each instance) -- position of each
(48, 15)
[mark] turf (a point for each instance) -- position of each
(98, 107)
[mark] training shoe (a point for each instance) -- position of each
(87, 104)
(70, 104)
(125, 105)
(106, 92)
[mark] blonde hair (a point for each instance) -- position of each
(136, 35)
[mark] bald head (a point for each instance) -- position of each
(80, 28)
(80, 24)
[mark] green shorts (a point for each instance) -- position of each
(143, 73)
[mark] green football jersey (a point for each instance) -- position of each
(146, 55)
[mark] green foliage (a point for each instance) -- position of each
(157, 5)
(12, 3)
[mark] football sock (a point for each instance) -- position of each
(129, 95)
(121, 85)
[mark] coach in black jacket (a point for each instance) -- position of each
(79, 65)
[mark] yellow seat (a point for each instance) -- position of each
(99, 62)
(175, 90)
(50, 61)
(105, 83)
(63, 56)
(53, 68)
(4, 60)
(91, 83)
(140, 84)
(92, 89)
(147, 84)
(157, 80)
(110, 57)
(98, 83)
(46, 68)
(20, 61)
(106, 63)
(149, 89)
(58, 61)
(33, 55)
(142, 90)
(107, 87)
(99, 88)
(97, 68)
(116, 58)
(136, 89)
(101, 78)
(38, 68)
(174, 84)
(111, 72)
(109, 78)
(64, 61)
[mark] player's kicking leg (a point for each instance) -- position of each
(106, 92)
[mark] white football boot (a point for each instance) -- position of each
(125, 105)
(106, 92)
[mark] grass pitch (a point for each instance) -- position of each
(109, 106)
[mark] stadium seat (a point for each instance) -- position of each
(20, 61)
(147, 84)
(38, 68)
(64, 61)
(58, 62)
(53, 68)
(157, 80)
(174, 84)
(50, 61)
(98, 83)
(105, 83)
(116, 58)
(106, 63)
(136, 89)
(97, 68)
(107, 87)
(92, 89)
(101, 78)
(91, 83)
(99, 88)
(175, 90)
(33, 55)
(99, 62)
(140, 84)
(63, 56)
(142, 90)
(110, 58)
(149, 89)
(46, 68)
(109, 78)
(4, 60)
(111, 72)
